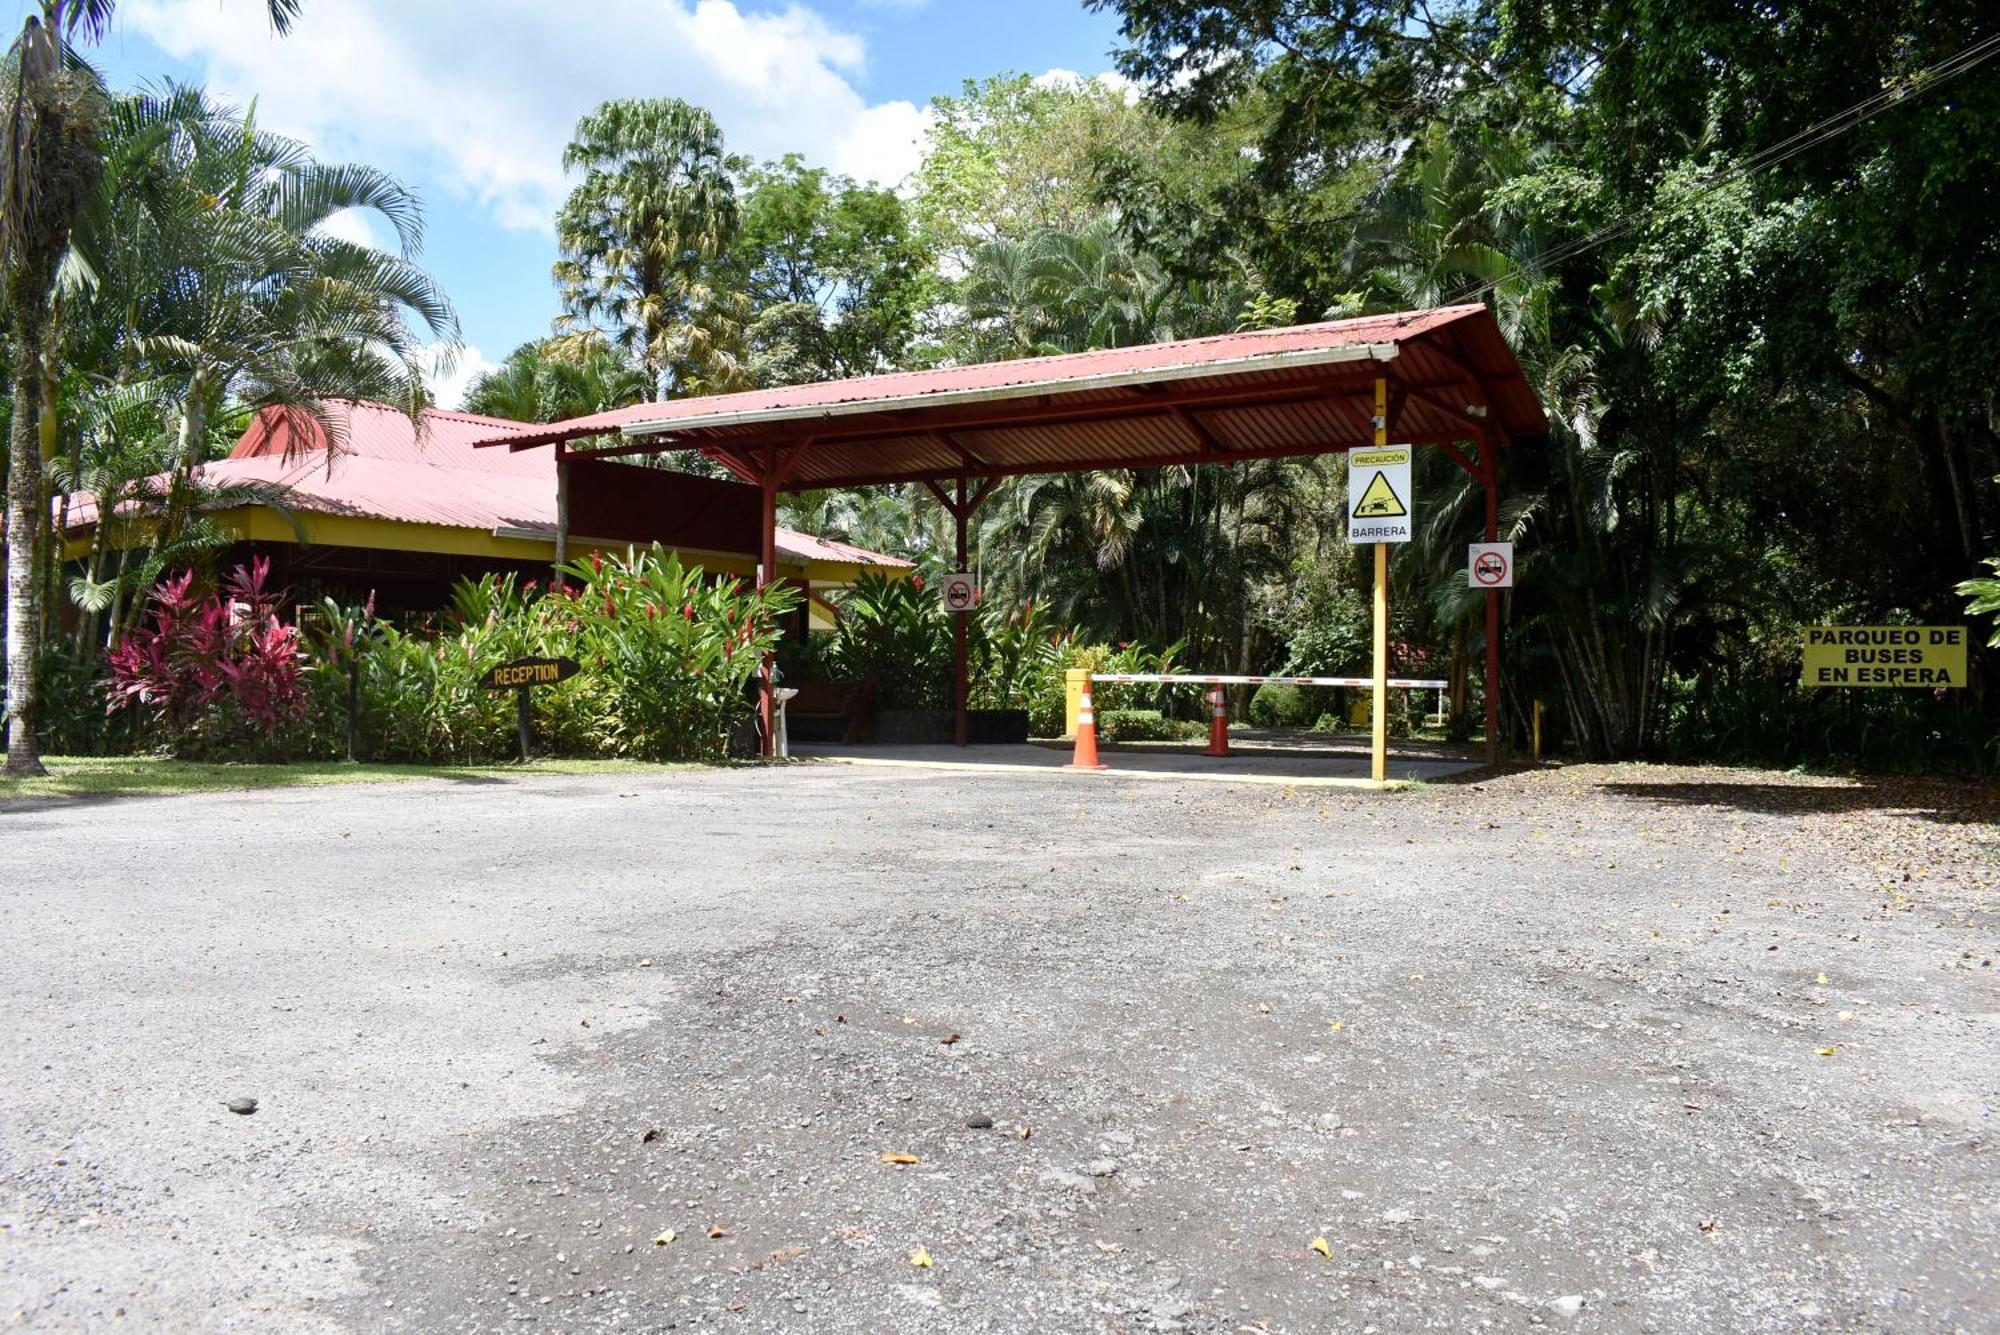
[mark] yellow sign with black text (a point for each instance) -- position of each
(1922, 656)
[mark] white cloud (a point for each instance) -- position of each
(351, 225)
(448, 378)
(481, 100)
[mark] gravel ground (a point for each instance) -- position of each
(1622, 1049)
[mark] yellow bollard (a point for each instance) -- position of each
(1075, 682)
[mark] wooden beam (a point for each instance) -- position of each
(1085, 465)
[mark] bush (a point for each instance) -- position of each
(1278, 705)
(216, 676)
(896, 633)
(667, 657)
(1145, 725)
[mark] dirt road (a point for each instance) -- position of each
(1607, 1049)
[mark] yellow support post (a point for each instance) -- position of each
(1075, 682)
(1379, 748)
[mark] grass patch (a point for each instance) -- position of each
(120, 776)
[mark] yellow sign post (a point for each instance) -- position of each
(1920, 656)
(1378, 751)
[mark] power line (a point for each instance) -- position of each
(1840, 122)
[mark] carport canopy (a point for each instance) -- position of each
(1451, 380)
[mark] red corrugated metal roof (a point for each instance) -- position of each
(384, 467)
(1298, 390)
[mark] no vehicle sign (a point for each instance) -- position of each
(960, 593)
(1490, 565)
(1378, 494)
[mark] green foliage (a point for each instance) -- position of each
(552, 379)
(1982, 598)
(896, 634)
(644, 238)
(666, 654)
(835, 272)
(1146, 725)
(1279, 705)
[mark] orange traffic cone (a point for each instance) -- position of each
(1218, 722)
(1086, 735)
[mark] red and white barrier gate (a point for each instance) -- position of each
(1218, 702)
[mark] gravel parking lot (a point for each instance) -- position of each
(1621, 1049)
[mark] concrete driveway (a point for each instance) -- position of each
(1616, 1049)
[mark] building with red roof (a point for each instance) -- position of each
(405, 509)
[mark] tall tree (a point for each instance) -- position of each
(835, 273)
(644, 236)
(49, 166)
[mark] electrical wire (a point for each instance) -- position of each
(1964, 60)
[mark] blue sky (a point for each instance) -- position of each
(470, 101)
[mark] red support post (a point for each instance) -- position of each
(961, 730)
(1490, 470)
(767, 571)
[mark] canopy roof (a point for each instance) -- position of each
(1308, 389)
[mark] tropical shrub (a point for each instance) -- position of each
(672, 652)
(667, 656)
(1146, 725)
(1022, 656)
(896, 633)
(213, 675)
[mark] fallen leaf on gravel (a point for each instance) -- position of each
(851, 1231)
(1707, 1226)
(891, 1156)
(1111, 1246)
(1336, 1025)
(1826, 1052)
(1323, 1247)
(909, 1019)
(1263, 1008)
(787, 1001)
(664, 1238)
(921, 1259)
(718, 1231)
(949, 1039)
(652, 1134)
(1844, 1015)
(1025, 1132)
(784, 1254)
(1821, 980)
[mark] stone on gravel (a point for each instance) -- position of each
(1102, 1168)
(1567, 1305)
(979, 1122)
(241, 1107)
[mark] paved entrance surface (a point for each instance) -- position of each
(1257, 757)
(1611, 1050)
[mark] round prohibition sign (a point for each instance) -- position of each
(959, 595)
(1490, 569)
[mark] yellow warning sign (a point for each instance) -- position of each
(1380, 501)
(1378, 494)
(1922, 656)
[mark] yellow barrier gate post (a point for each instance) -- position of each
(1378, 763)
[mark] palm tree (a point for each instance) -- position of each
(217, 273)
(553, 379)
(49, 167)
(644, 236)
